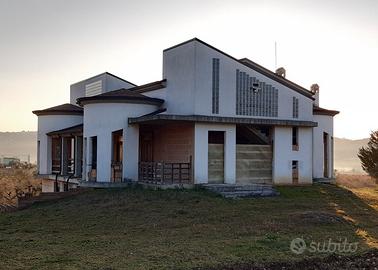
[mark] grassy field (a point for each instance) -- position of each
(146, 229)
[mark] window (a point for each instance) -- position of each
(295, 107)
(215, 86)
(295, 139)
(94, 152)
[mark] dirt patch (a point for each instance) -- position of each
(368, 260)
(317, 217)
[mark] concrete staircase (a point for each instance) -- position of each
(47, 196)
(242, 191)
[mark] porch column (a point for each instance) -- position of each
(104, 156)
(88, 153)
(64, 160)
(131, 152)
(230, 155)
(78, 155)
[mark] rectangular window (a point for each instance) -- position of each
(295, 107)
(215, 86)
(295, 171)
(295, 139)
(94, 152)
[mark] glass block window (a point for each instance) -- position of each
(255, 98)
(215, 86)
(295, 107)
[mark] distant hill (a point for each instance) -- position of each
(19, 144)
(346, 158)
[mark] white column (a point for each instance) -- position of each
(104, 156)
(230, 156)
(63, 161)
(130, 152)
(78, 155)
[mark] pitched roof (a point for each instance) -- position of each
(246, 62)
(63, 109)
(131, 95)
(70, 130)
(321, 111)
(105, 73)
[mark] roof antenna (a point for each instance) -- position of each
(275, 55)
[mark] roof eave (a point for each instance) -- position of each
(119, 99)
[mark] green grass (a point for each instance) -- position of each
(179, 229)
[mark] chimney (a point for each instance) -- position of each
(281, 72)
(315, 91)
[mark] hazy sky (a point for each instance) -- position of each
(45, 45)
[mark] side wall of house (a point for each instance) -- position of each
(46, 124)
(101, 120)
(325, 125)
(284, 155)
(201, 149)
(179, 70)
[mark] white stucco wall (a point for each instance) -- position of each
(101, 119)
(46, 124)
(283, 155)
(201, 131)
(325, 124)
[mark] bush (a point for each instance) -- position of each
(16, 183)
(369, 156)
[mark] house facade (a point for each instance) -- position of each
(211, 119)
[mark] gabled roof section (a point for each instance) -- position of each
(78, 129)
(131, 95)
(64, 109)
(321, 111)
(105, 73)
(248, 63)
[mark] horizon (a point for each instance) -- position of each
(320, 42)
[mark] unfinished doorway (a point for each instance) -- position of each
(117, 156)
(216, 157)
(325, 155)
(295, 172)
(253, 155)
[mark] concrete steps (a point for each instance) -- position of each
(242, 191)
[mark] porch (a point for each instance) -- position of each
(66, 157)
(165, 154)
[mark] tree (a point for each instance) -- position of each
(369, 156)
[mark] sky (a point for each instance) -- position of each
(46, 45)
